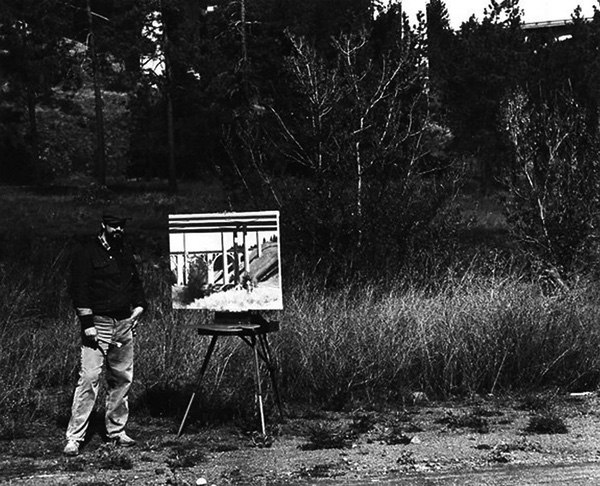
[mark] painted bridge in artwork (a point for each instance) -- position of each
(226, 243)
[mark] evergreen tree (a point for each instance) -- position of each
(32, 62)
(440, 40)
(486, 61)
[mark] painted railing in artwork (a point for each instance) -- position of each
(225, 264)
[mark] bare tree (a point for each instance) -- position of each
(362, 118)
(385, 111)
(308, 140)
(557, 180)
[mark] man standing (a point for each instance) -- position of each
(108, 297)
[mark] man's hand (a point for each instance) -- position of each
(135, 315)
(90, 336)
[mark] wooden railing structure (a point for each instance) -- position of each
(181, 262)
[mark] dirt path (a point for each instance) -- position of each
(488, 440)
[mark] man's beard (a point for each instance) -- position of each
(115, 240)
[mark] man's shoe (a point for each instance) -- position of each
(124, 440)
(72, 448)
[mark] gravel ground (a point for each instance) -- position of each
(313, 447)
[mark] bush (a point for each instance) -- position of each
(186, 455)
(325, 435)
(115, 459)
(546, 423)
(197, 281)
(471, 421)
(554, 205)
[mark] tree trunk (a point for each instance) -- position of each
(171, 142)
(33, 130)
(359, 185)
(100, 151)
(244, 49)
(172, 168)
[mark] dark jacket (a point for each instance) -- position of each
(105, 281)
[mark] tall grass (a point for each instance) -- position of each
(476, 335)
(367, 342)
(37, 335)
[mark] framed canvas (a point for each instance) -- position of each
(226, 262)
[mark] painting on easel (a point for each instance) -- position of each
(226, 262)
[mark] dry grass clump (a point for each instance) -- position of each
(37, 354)
(115, 459)
(472, 421)
(474, 336)
(185, 455)
(328, 435)
(546, 423)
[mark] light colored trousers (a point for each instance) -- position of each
(119, 375)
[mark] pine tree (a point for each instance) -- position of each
(33, 59)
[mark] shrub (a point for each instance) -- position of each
(326, 435)
(554, 205)
(469, 420)
(546, 423)
(197, 280)
(115, 459)
(185, 455)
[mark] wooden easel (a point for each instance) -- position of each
(252, 328)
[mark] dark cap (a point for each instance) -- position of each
(114, 217)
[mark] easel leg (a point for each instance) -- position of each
(272, 371)
(209, 352)
(259, 387)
